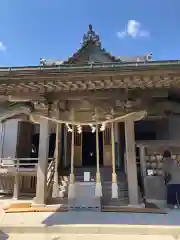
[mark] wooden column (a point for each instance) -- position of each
(16, 186)
(72, 155)
(55, 192)
(98, 188)
(113, 153)
(142, 155)
(71, 189)
(97, 152)
(65, 146)
(117, 144)
(1, 138)
(114, 176)
(107, 146)
(78, 149)
(131, 162)
(41, 187)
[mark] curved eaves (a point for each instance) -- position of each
(12, 110)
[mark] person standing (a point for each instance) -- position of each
(171, 172)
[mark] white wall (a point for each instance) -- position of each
(9, 138)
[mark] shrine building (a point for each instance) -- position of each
(94, 116)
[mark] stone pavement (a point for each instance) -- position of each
(89, 218)
(69, 224)
(87, 237)
(91, 223)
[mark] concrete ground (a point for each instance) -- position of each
(91, 223)
(88, 217)
(73, 225)
(87, 237)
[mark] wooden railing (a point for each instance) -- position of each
(27, 168)
(20, 164)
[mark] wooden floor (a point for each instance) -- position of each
(133, 210)
(26, 207)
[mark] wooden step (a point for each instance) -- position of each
(133, 210)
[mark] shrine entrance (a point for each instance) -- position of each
(89, 149)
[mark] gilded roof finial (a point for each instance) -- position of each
(91, 36)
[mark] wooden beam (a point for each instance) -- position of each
(89, 94)
(116, 75)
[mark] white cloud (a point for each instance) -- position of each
(2, 47)
(133, 29)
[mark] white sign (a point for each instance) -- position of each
(86, 176)
(150, 172)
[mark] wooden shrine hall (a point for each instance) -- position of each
(92, 113)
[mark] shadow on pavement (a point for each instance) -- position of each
(3, 236)
(72, 218)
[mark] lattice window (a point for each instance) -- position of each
(77, 139)
(107, 136)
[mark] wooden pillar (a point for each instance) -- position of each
(65, 146)
(78, 149)
(131, 162)
(142, 160)
(97, 152)
(71, 189)
(55, 192)
(1, 138)
(143, 169)
(41, 186)
(107, 146)
(72, 154)
(114, 176)
(16, 186)
(116, 140)
(98, 188)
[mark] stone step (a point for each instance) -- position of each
(118, 202)
(108, 198)
(121, 185)
(115, 201)
(120, 194)
(106, 172)
(120, 189)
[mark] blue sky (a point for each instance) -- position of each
(53, 29)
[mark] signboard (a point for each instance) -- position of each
(150, 172)
(86, 176)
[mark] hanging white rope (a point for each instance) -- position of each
(117, 119)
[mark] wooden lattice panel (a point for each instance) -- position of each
(107, 135)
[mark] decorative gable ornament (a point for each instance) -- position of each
(91, 36)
